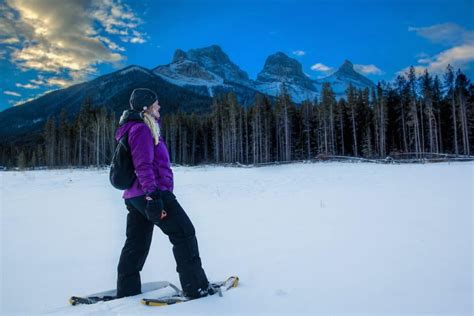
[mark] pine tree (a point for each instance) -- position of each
(64, 137)
(413, 113)
(375, 107)
(449, 84)
(254, 115)
(21, 160)
(365, 120)
(403, 93)
(367, 150)
(461, 87)
(352, 103)
(427, 92)
(437, 102)
(341, 106)
(233, 107)
(307, 124)
(284, 123)
(382, 121)
(328, 102)
(216, 114)
(50, 141)
(267, 129)
(40, 155)
(33, 161)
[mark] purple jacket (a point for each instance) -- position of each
(152, 163)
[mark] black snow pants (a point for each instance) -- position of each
(177, 226)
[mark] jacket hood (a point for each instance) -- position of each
(129, 116)
(127, 120)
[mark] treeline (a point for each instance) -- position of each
(413, 116)
(86, 140)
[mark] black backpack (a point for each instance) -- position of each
(122, 173)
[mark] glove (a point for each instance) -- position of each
(154, 206)
(155, 195)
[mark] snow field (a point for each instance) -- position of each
(326, 238)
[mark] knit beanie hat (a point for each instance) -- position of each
(142, 98)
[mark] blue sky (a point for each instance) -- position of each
(47, 44)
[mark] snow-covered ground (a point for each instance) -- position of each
(327, 238)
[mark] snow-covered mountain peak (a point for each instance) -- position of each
(347, 66)
(213, 52)
(214, 59)
(345, 75)
(188, 73)
(281, 68)
(347, 70)
(279, 65)
(134, 68)
(179, 55)
(204, 71)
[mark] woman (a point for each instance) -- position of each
(150, 201)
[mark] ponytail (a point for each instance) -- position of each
(153, 126)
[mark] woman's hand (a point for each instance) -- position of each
(154, 207)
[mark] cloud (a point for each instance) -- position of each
(460, 54)
(27, 86)
(446, 33)
(299, 52)
(368, 69)
(39, 81)
(42, 81)
(115, 17)
(118, 18)
(110, 44)
(9, 40)
(57, 81)
(136, 38)
(66, 39)
(15, 94)
(457, 57)
(422, 55)
(321, 68)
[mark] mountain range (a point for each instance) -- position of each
(209, 70)
(188, 83)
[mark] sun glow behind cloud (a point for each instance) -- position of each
(64, 41)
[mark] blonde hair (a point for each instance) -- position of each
(153, 126)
